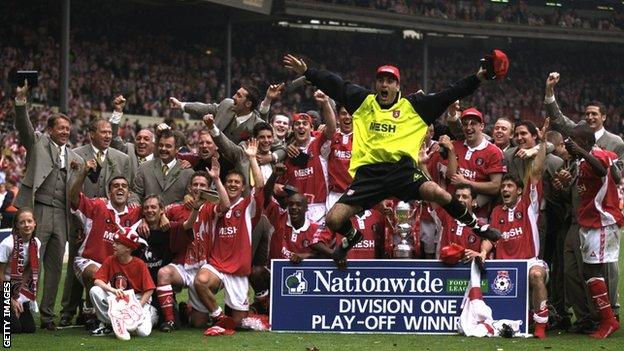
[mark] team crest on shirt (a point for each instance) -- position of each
(396, 113)
(119, 281)
(502, 284)
(518, 215)
(501, 221)
(108, 221)
(479, 161)
(237, 213)
(472, 239)
(305, 243)
(127, 223)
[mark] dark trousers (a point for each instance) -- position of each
(25, 323)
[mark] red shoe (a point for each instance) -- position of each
(605, 329)
(540, 330)
(224, 322)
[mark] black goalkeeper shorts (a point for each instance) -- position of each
(376, 182)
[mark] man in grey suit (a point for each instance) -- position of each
(110, 163)
(163, 176)
(45, 189)
(595, 116)
(237, 116)
(142, 150)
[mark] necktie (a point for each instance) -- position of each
(141, 160)
(165, 170)
(56, 155)
(100, 157)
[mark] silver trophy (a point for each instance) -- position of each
(402, 231)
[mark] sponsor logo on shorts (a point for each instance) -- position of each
(350, 192)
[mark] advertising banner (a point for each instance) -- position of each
(390, 296)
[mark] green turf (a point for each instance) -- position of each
(193, 339)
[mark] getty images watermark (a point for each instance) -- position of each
(6, 314)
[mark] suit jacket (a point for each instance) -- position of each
(150, 180)
(225, 119)
(518, 168)
(607, 141)
(39, 162)
(236, 155)
(115, 164)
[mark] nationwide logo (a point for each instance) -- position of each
(502, 284)
(362, 282)
(296, 283)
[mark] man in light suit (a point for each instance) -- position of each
(45, 189)
(595, 116)
(110, 163)
(237, 116)
(162, 176)
(142, 150)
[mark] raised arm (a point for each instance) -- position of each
(227, 149)
(26, 132)
(537, 166)
(346, 93)
(214, 172)
(115, 120)
(451, 169)
(194, 108)
(251, 149)
(328, 114)
(76, 187)
(558, 120)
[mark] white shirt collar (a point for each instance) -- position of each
(62, 147)
(484, 143)
(96, 150)
(242, 119)
(109, 205)
(304, 227)
(599, 133)
(147, 158)
(170, 164)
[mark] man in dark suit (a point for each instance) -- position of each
(595, 116)
(110, 163)
(163, 176)
(44, 188)
(142, 150)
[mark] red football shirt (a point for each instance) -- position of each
(338, 162)
(372, 225)
(287, 240)
(132, 275)
(598, 196)
(518, 225)
(456, 232)
(101, 222)
(177, 212)
(231, 244)
(477, 164)
(309, 179)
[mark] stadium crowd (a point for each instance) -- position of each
(517, 12)
(256, 173)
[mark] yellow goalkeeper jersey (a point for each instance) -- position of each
(385, 135)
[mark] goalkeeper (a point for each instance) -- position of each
(388, 131)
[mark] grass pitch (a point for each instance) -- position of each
(193, 339)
